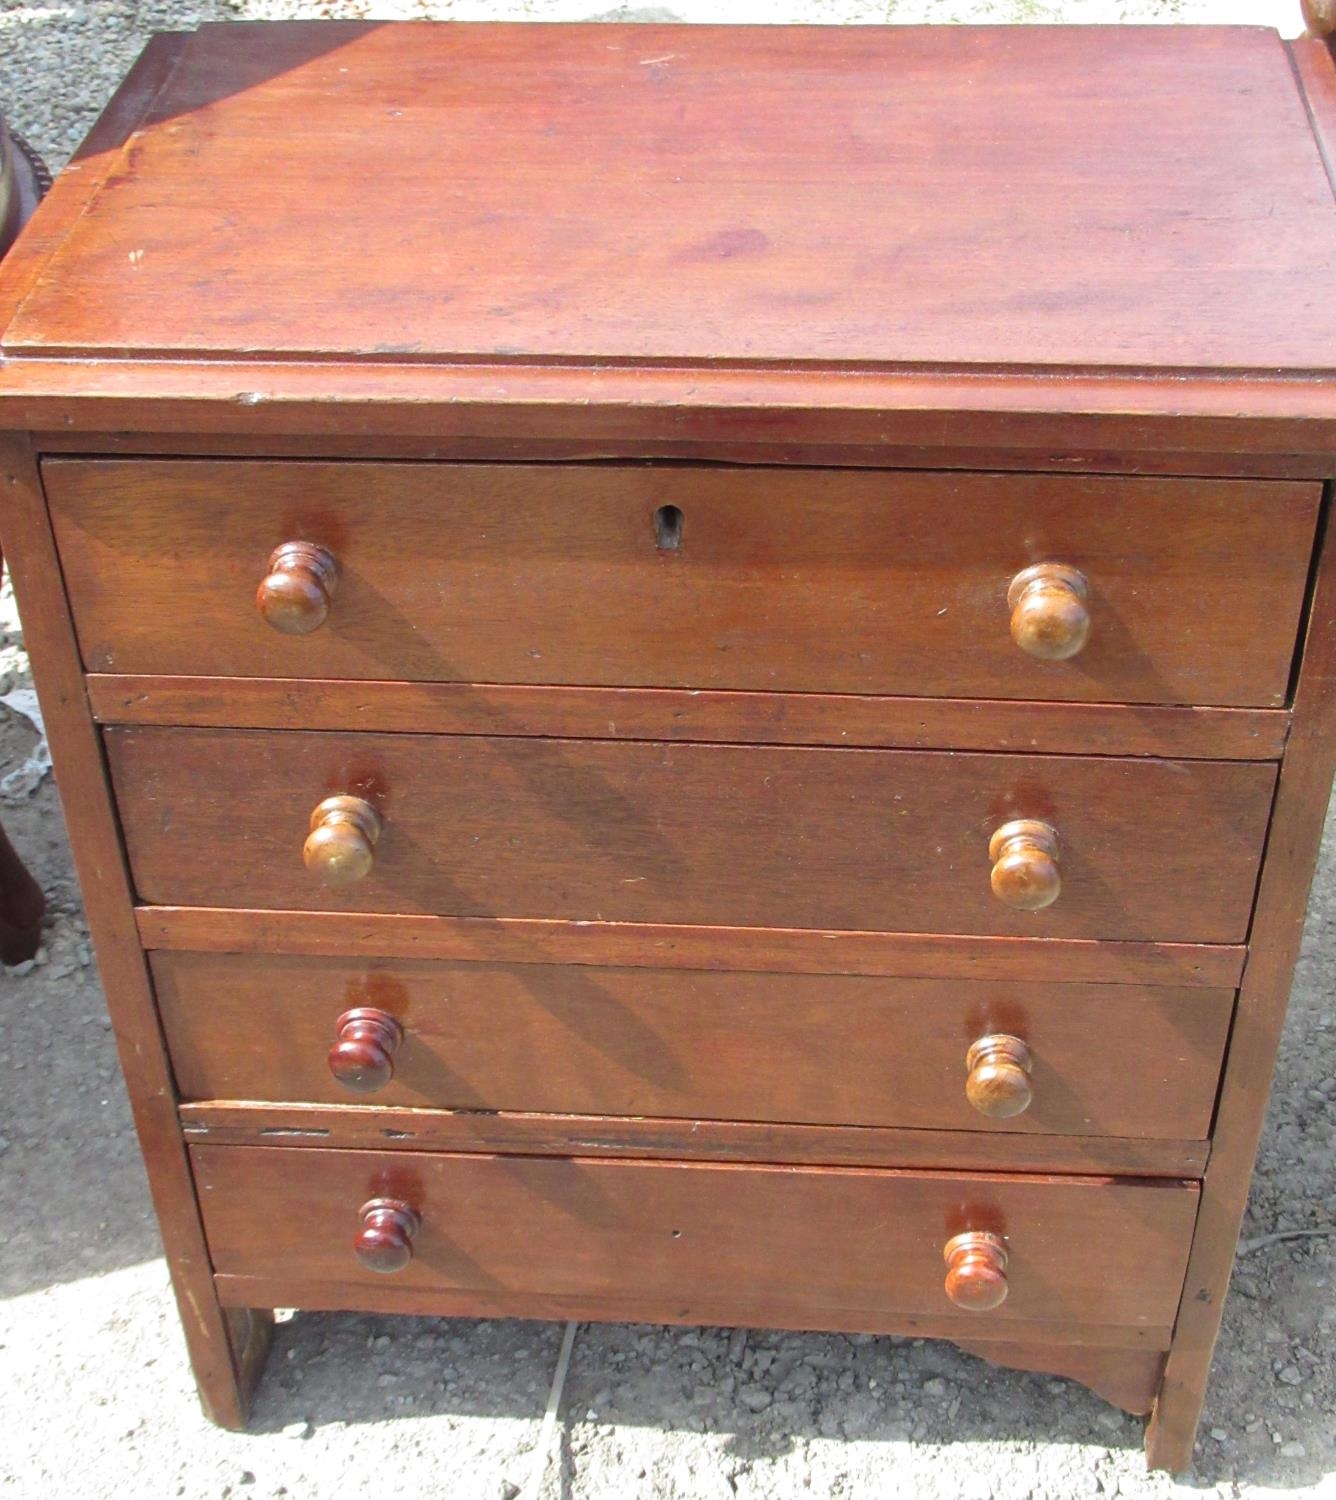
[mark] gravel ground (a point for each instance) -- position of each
(97, 1399)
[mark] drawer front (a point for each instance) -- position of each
(719, 835)
(780, 579)
(1081, 1250)
(1117, 1060)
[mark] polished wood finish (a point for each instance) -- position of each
(1171, 423)
(645, 944)
(820, 1049)
(361, 1059)
(225, 1353)
(1049, 614)
(1197, 585)
(862, 721)
(295, 594)
(340, 849)
(705, 1229)
(709, 244)
(384, 1243)
(1025, 855)
(1185, 410)
(998, 1082)
(976, 1270)
(743, 835)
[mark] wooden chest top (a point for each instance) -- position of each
(1123, 198)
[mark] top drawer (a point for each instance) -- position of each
(798, 580)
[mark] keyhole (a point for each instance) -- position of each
(668, 528)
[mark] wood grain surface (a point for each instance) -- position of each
(389, 1127)
(769, 950)
(395, 1294)
(1302, 800)
(1168, 424)
(1176, 732)
(784, 580)
(1106, 1060)
(1082, 1250)
(1125, 1377)
(1267, 419)
(946, 449)
(836, 219)
(737, 835)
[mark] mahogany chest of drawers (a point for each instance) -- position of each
(692, 669)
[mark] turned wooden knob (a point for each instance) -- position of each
(362, 1059)
(384, 1243)
(1320, 16)
(999, 1076)
(341, 847)
(294, 595)
(976, 1270)
(1049, 618)
(1025, 864)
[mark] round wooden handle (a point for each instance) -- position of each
(362, 1059)
(1320, 16)
(341, 847)
(1025, 864)
(384, 1243)
(999, 1076)
(1049, 618)
(294, 595)
(976, 1270)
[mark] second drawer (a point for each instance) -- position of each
(712, 835)
(1083, 1059)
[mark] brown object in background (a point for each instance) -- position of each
(22, 907)
(22, 903)
(651, 575)
(23, 180)
(1320, 16)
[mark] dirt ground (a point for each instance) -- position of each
(95, 1396)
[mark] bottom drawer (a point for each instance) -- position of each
(796, 1247)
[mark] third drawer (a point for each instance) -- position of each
(1084, 1059)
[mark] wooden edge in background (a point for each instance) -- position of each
(366, 1295)
(1315, 68)
(507, 1132)
(766, 950)
(708, 717)
(224, 1368)
(1278, 923)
